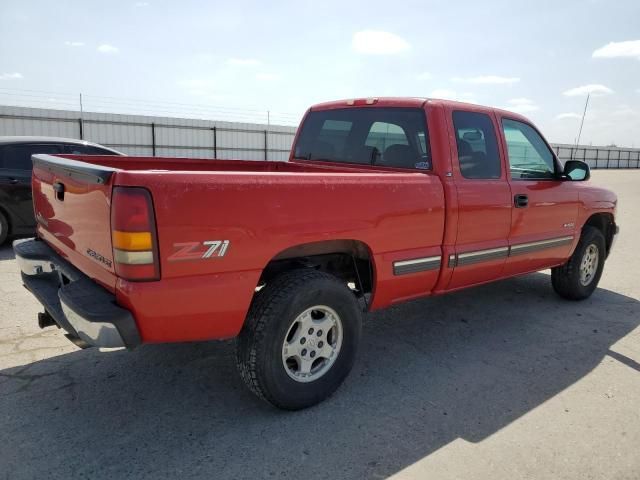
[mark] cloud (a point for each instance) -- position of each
(595, 90)
(625, 111)
(378, 42)
(448, 94)
(568, 115)
(108, 49)
(424, 76)
(267, 76)
(141, 4)
(244, 62)
(487, 80)
(10, 76)
(74, 44)
(444, 93)
(630, 48)
(521, 105)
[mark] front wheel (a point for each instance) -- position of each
(579, 277)
(300, 339)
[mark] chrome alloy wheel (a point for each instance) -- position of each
(312, 343)
(589, 265)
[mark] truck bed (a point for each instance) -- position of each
(218, 165)
(261, 209)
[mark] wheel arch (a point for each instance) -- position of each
(348, 259)
(603, 221)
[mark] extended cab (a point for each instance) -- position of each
(382, 201)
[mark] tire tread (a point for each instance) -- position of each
(252, 337)
(565, 279)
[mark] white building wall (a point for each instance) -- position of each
(136, 134)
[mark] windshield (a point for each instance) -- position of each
(389, 137)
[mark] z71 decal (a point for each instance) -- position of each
(199, 250)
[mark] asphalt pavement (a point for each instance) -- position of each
(503, 381)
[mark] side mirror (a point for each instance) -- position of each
(576, 170)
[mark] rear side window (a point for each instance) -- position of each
(390, 137)
(477, 145)
(18, 157)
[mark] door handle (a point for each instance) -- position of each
(521, 200)
(13, 181)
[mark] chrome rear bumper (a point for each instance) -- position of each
(77, 304)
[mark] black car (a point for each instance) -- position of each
(16, 209)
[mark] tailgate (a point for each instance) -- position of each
(72, 208)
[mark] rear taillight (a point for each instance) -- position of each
(133, 234)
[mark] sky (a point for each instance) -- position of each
(236, 59)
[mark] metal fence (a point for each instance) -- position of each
(599, 157)
(179, 137)
(154, 136)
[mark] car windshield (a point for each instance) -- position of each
(390, 137)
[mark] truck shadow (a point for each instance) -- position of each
(429, 372)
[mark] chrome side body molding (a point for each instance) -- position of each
(416, 265)
(477, 256)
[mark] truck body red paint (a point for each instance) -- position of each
(425, 230)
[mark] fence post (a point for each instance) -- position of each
(81, 128)
(153, 138)
(266, 146)
(215, 142)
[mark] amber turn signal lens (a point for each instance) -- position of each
(132, 241)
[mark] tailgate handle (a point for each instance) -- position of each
(58, 187)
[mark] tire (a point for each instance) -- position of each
(277, 316)
(568, 280)
(4, 228)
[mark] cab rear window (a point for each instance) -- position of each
(388, 137)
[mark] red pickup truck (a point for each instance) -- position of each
(382, 201)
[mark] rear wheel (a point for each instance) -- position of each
(300, 339)
(4, 228)
(579, 277)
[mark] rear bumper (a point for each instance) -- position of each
(77, 304)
